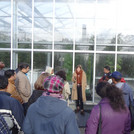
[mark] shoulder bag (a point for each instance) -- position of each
(100, 122)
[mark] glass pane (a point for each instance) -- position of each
(101, 61)
(5, 23)
(64, 9)
(20, 57)
(41, 60)
(125, 41)
(84, 34)
(105, 37)
(125, 25)
(106, 9)
(43, 8)
(104, 60)
(64, 61)
(86, 60)
(63, 34)
(85, 8)
(43, 33)
(125, 65)
(43, 24)
(5, 57)
(106, 25)
(64, 23)
(22, 19)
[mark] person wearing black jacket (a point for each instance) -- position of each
(106, 74)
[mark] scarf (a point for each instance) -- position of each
(59, 96)
(79, 76)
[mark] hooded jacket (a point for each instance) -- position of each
(112, 122)
(127, 92)
(50, 115)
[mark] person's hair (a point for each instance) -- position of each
(23, 65)
(38, 85)
(62, 74)
(114, 94)
(19, 64)
(9, 73)
(3, 82)
(107, 67)
(79, 66)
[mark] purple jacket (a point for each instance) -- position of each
(112, 122)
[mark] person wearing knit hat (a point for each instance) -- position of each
(54, 84)
(50, 113)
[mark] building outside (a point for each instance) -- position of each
(64, 33)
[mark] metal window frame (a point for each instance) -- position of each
(73, 51)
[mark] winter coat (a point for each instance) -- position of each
(127, 92)
(9, 103)
(2, 72)
(35, 95)
(12, 90)
(23, 86)
(66, 92)
(50, 115)
(112, 122)
(74, 88)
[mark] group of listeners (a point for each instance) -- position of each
(16, 97)
(45, 110)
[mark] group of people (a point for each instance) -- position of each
(46, 109)
(48, 103)
(112, 114)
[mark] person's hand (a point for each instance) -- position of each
(75, 76)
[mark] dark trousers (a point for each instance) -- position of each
(79, 102)
(25, 106)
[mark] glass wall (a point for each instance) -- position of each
(106, 25)
(65, 33)
(85, 24)
(125, 26)
(22, 23)
(5, 23)
(43, 24)
(63, 61)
